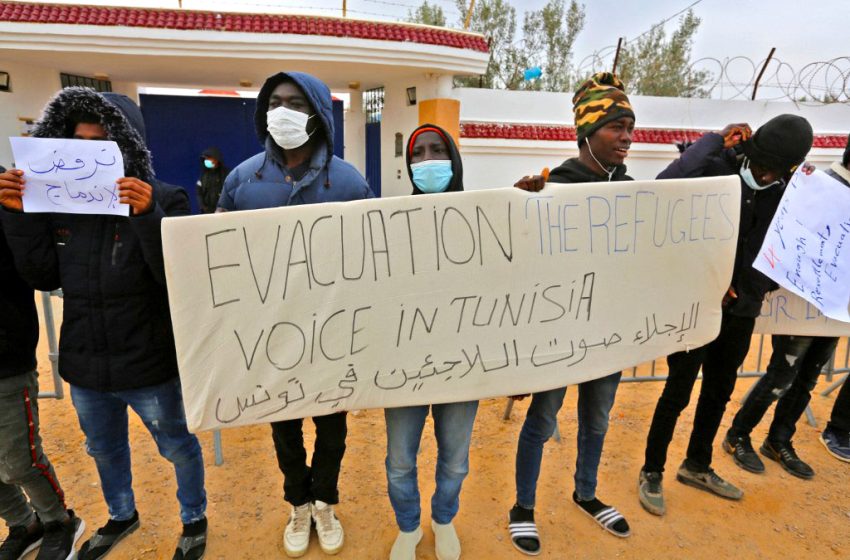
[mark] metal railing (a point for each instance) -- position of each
(830, 371)
(49, 321)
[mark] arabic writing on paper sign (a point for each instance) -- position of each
(70, 176)
(805, 250)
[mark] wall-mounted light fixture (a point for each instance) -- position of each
(5, 84)
(411, 96)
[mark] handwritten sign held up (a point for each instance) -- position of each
(307, 310)
(70, 176)
(784, 312)
(807, 248)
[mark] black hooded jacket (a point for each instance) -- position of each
(211, 180)
(456, 183)
(708, 158)
(116, 331)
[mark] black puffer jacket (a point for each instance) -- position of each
(116, 332)
(708, 158)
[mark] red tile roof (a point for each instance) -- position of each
(24, 12)
(509, 131)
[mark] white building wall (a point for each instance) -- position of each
(355, 132)
(491, 163)
(32, 87)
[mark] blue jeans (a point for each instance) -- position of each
(103, 419)
(595, 399)
(453, 428)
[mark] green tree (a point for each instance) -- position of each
(549, 35)
(428, 14)
(656, 65)
(496, 20)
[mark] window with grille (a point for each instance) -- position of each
(373, 104)
(70, 80)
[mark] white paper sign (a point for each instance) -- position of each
(306, 310)
(784, 312)
(70, 176)
(807, 249)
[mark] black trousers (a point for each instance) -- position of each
(719, 360)
(304, 483)
(792, 373)
(840, 420)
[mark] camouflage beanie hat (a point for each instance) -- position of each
(601, 99)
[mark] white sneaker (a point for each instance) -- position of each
(328, 527)
(296, 536)
(404, 547)
(446, 545)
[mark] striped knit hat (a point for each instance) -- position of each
(599, 100)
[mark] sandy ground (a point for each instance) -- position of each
(779, 517)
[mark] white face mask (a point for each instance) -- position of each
(747, 175)
(288, 128)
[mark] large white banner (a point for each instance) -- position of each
(307, 310)
(807, 249)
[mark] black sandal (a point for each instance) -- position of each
(523, 530)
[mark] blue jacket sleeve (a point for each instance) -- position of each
(694, 161)
(173, 202)
(225, 199)
(30, 237)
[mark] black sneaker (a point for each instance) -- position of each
(107, 537)
(784, 454)
(20, 542)
(607, 516)
(741, 449)
(60, 537)
(193, 541)
(523, 530)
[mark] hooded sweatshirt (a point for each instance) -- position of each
(264, 181)
(116, 331)
(211, 180)
(574, 171)
(456, 183)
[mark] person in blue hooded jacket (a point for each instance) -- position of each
(294, 122)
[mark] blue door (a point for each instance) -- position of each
(179, 128)
(373, 156)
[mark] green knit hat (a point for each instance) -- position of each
(601, 99)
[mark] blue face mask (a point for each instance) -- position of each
(433, 175)
(209, 164)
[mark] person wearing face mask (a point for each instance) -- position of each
(434, 166)
(294, 122)
(604, 124)
(792, 373)
(764, 162)
(213, 172)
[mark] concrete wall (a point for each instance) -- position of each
(32, 87)
(491, 163)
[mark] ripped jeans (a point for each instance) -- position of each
(792, 374)
(104, 420)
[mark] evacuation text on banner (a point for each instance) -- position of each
(307, 310)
